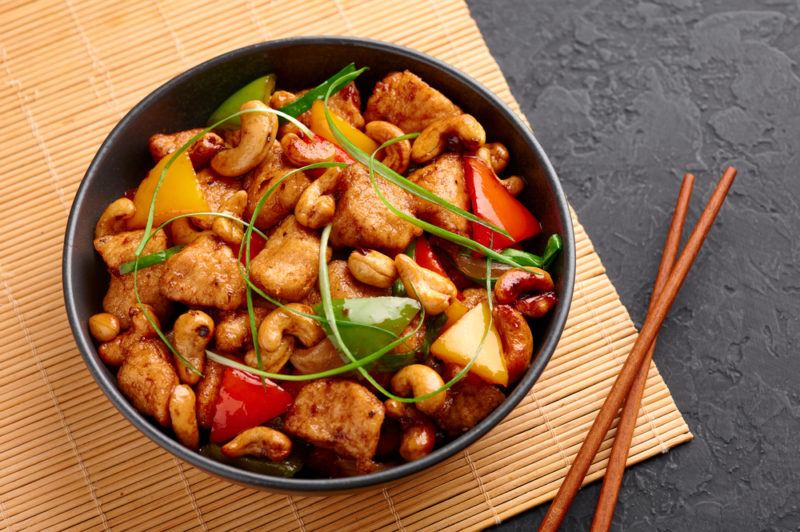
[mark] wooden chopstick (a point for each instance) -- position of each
(609, 492)
(619, 391)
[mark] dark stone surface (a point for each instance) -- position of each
(626, 96)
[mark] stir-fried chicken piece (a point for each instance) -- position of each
(283, 199)
(288, 266)
(338, 415)
(147, 378)
(345, 286)
(468, 402)
(205, 273)
(232, 331)
(118, 249)
(200, 153)
(406, 101)
(363, 221)
(445, 178)
(216, 189)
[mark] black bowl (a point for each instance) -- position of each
(187, 100)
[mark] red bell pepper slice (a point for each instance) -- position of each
(426, 257)
(243, 402)
(493, 203)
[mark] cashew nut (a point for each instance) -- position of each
(517, 340)
(301, 152)
(420, 380)
(258, 131)
(182, 412)
(372, 267)
(281, 98)
(495, 155)
(419, 434)
(228, 230)
(104, 326)
(272, 361)
(537, 305)
(115, 218)
(316, 207)
(183, 232)
(434, 138)
(262, 442)
(396, 156)
(283, 321)
(193, 331)
(434, 291)
(516, 281)
(320, 357)
(514, 184)
(114, 352)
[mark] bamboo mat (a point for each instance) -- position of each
(70, 70)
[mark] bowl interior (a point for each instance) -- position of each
(188, 100)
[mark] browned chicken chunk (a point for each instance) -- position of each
(445, 178)
(283, 199)
(403, 99)
(338, 415)
(232, 332)
(147, 379)
(200, 153)
(288, 266)
(363, 221)
(207, 390)
(204, 273)
(216, 189)
(118, 249)
(345, 286)
(468, 402)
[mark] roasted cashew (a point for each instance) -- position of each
(434, 291)
(372, 267)
(419, 434)
(301, 152)
(316, 207)
(258, 131)
(320, 357)
(516, 281)
(104, 326)
(434, 138)
(115, 218)
(183, 232)
(517, 340)
(193, 331)
(262, 442)
(114, 352)
(398, 155)
(420, 380)
(182, 412)
(228, 230)
(282, 321)
(272, 361)
(281, 98)
(495, 154)
(514, 184)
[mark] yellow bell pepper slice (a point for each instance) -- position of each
(319, 125)
(457, 345)
(180, 193)
(454, 312)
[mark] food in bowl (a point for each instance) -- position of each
(305, 289)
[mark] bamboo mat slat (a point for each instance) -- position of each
(70, 70)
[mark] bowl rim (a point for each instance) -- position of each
(108, 384)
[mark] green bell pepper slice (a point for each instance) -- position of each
(286, 468)
(388, 316)
(259, 89)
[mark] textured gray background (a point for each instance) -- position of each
(625, 96)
